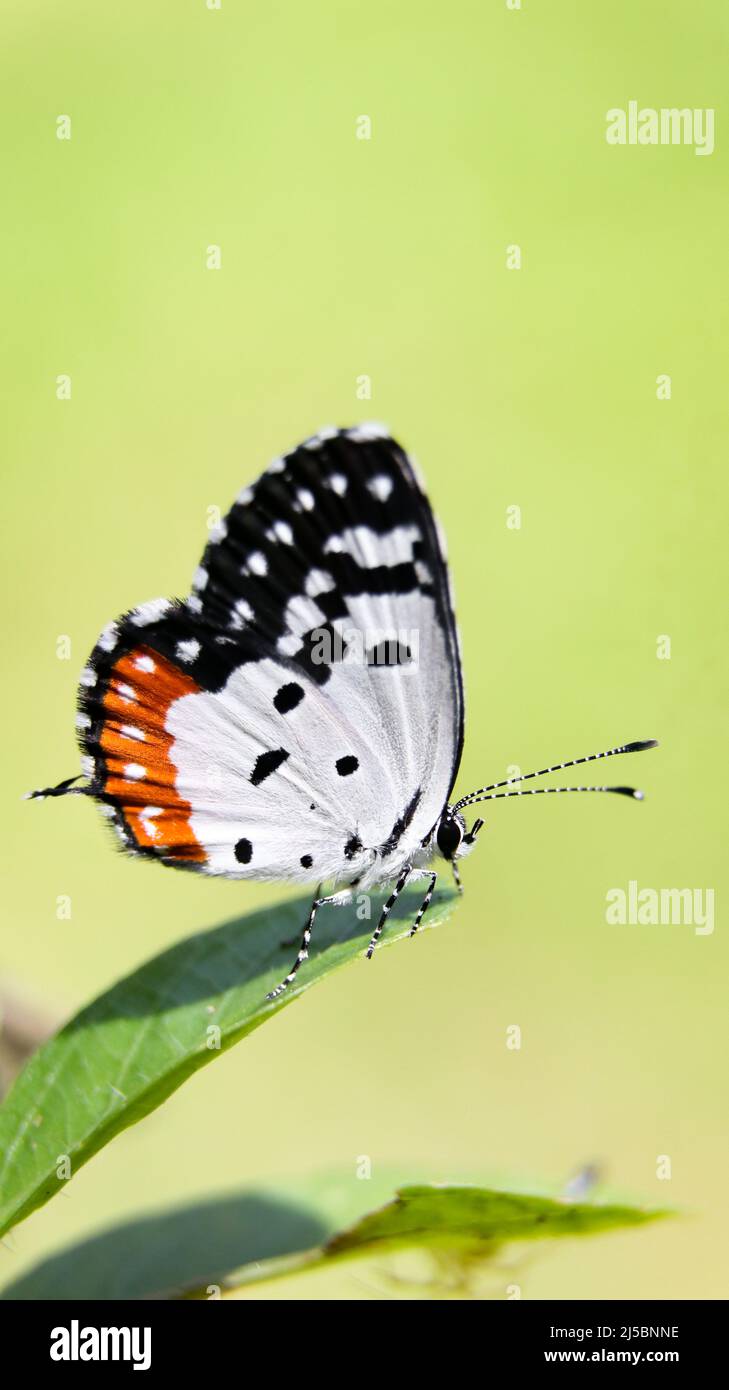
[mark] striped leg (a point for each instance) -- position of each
(425, 904)
(395, 894)
(456, 876)
(63, 789)
(304, 948)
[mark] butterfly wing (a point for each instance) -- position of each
(300, 715)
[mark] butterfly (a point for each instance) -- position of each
(299, 716)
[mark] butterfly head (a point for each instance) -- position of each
(452, 840)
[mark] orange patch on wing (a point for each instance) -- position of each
(142, 687)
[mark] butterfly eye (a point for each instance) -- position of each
(448, 836)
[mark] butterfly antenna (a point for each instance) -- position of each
(492, 792)
(63, 789)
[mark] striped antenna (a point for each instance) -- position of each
(492, 792)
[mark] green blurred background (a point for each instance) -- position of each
(344, 257)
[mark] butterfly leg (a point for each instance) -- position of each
(395, 894)
(425, 904)
(63, 789)
(306, 938)
(456, 876)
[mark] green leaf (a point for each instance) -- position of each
(251, 1237)
(472, 1216)
(125, 1053)
(166, 1253)
(199, 1243)
(469, 1224)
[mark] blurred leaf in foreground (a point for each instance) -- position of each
(463, 1228)
(239, 1241)
(156, 1256)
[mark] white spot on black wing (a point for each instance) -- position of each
(380, 487)
(109, 637)
(188, 649)
(150, 612)
(319, 582)
(257, 563)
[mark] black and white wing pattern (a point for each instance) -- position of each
(300, 715)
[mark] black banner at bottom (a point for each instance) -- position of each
(203, 1337)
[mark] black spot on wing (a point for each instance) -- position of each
(243, 851)
(347, 765)
(321, 648)
(288, 696)
(389, 652)
(352, 847)
(266, 763)
(306, 861)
